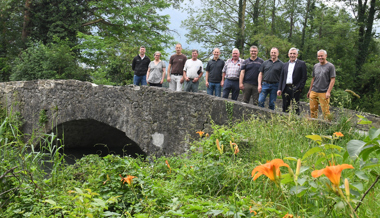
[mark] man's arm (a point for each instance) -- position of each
(280, 83)
(332, 82)
(259, 80)
(311, 85)
(304, 76)
(184, 76)
(147, 75)
(168, 76)
(241, 79)
(207, 79)
(133, 64)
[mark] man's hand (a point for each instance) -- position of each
(207, 84)
(259, 88)
(241, 86)
(222, 83)
(162, 81)
(168, 79)
(279, 92)
(195, 79)
(328, 94)
(181, 81)
(308, 94)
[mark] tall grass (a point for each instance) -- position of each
(205, 182)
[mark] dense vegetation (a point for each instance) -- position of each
(97, 40)
(214, 179)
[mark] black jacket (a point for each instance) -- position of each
(140, 66)
(299, 75)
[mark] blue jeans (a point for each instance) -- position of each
(270, 89)
(214, 87)
(137, 80)
(231, 85)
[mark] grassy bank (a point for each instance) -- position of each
(209, 181)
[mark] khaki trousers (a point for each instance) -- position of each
(319, 98)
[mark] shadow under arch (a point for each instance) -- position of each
(88, 136)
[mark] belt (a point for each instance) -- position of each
(289, 84)
(233, 79)
(270, 82)
(176, 74)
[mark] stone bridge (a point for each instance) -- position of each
(149, 120)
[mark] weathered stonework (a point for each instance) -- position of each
(154, 120)
(158, 120)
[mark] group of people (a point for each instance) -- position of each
(254, 76)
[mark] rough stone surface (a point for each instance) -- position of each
(153, 120)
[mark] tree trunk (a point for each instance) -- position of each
(273, 16)
(241, 25)
(305, 26)
(25, 26)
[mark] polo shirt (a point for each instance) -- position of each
(251, 68)
(214, 68)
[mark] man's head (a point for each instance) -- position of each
(235, 54)
(142, 50)
(194, 54)
(216, 53)
(293, 54)
(274, 52)
(322, 55)
(178, 48)
(253, 51)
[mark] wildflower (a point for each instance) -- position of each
(128, 179)
(332, 172)
(220, 148)
(236, 150)
(167, 164)
(271, 169)
(200, 132)
(207, 135)
(287, 215)
(338, 134)
(252, 211)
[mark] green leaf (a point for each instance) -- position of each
(367, 166)
(373, 133)
(331, 146)
(316, 138)
(291, 158)
(311, 151)
(357, 185)
(301, 181)
(303, 169)
(367, 151)
(354, 147)
(286, 178)
(50, 202)
(295, 190)
(361, 175)
(374, 173)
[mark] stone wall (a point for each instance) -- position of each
(158, 120)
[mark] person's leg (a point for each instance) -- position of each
(143, 80)
(178, 83)
(226, 88)
(235, 90)
(187, 86)
(194, 86)
(136, 80)
(313, 104)
(286, 99)
(324, 105)
(210, 88)
(296, 101)
(247, 92)
(218, 89)
(273, 95)
(263, 94)
(255, 95)
(172, 83)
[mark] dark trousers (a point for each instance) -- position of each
(231, 85)
(290, 95)
(250, 90)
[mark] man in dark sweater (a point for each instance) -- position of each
(140, 65)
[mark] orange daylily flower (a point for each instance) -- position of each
(332, 172)
(167, 163)
(252, 211)
(338, 134)
(271, 169)
(236, 150)
(128, 179)
(234, 147)
(287, 215)
(200, 132)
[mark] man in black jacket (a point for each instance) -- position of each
(140, 65)
(292, 81)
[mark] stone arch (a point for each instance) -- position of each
(89, 136)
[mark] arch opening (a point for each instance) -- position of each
(88, 136)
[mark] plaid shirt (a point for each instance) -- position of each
(232, 70)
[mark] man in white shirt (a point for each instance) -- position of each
(192, 72)
(292, 81)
